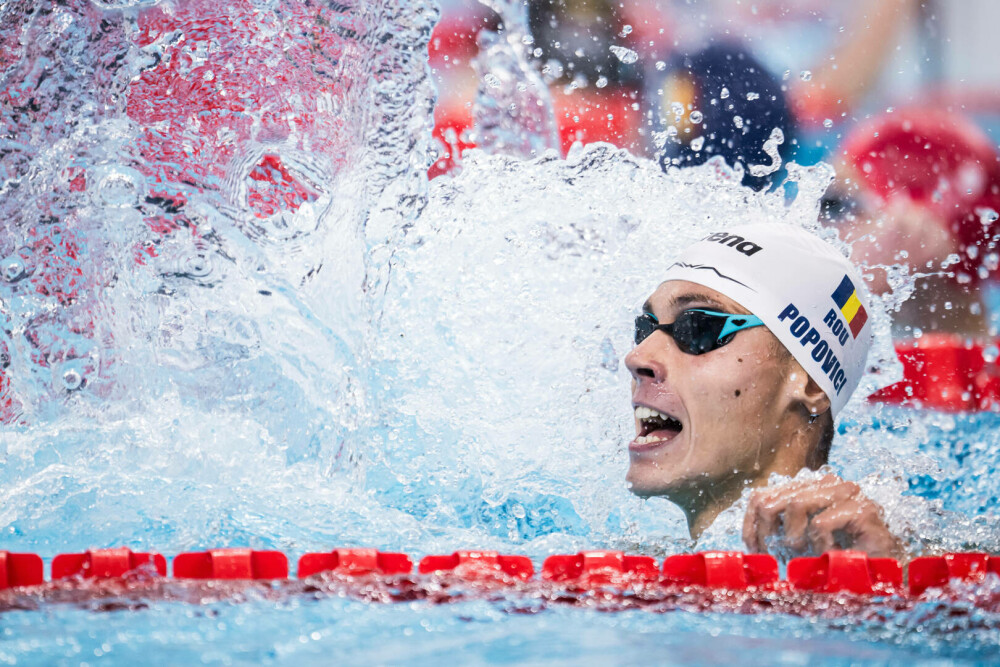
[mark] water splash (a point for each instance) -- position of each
(771, 148)
(513, 113)
(198, 232)
(247, 319)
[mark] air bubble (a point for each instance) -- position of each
(492, 80)
(806, 75)
(602, 81)
(725, 93)
(753, 96)
(197, 266)
(109, 5)
(12, 269)
(118, 187)
(696, 117)
(828, 123)
(72, 379)
(697, 143)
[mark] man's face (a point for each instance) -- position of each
(728, 409)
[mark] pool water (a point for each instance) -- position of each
(236, 313)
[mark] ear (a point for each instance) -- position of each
(814, 399)
(806, 392)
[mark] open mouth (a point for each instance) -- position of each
(655, 426)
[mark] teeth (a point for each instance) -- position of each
(646, 439)
(642, 412)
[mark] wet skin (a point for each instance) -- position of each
(738, 414)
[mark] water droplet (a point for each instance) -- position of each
(991, 353)
(987, 215)
(626, 30)
(725, 93)
(492, 80)
(660, 65)
(627, 56)
(696, 117)
(602, 81)
(950, 260)
(753, 96)
(609, 357)
(697, 143)
(828, 123)
(677, 109)
(806, 75)
(738, 121)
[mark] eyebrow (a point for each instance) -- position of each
(678, 302)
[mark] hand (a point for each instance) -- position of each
(817, 516)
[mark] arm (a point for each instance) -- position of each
(857, 61)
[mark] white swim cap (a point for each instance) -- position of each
(808, 294)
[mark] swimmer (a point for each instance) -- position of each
(743, 358)
(922, 187)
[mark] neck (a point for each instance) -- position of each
(703, 502)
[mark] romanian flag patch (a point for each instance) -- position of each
(846, 298)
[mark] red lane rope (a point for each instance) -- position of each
(833, 572)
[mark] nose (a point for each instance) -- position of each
(646, 360)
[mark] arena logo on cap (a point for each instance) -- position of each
(734, 241)
(846, 298)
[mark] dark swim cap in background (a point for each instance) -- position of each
(748, 104)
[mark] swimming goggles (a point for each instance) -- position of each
(696, 331)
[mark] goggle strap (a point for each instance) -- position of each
(731, 326)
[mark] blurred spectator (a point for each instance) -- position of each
(719, 101)
(924, 188)
(585, 49)
(577, 34)
(838, 82)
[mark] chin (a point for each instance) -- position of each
(647, 481)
